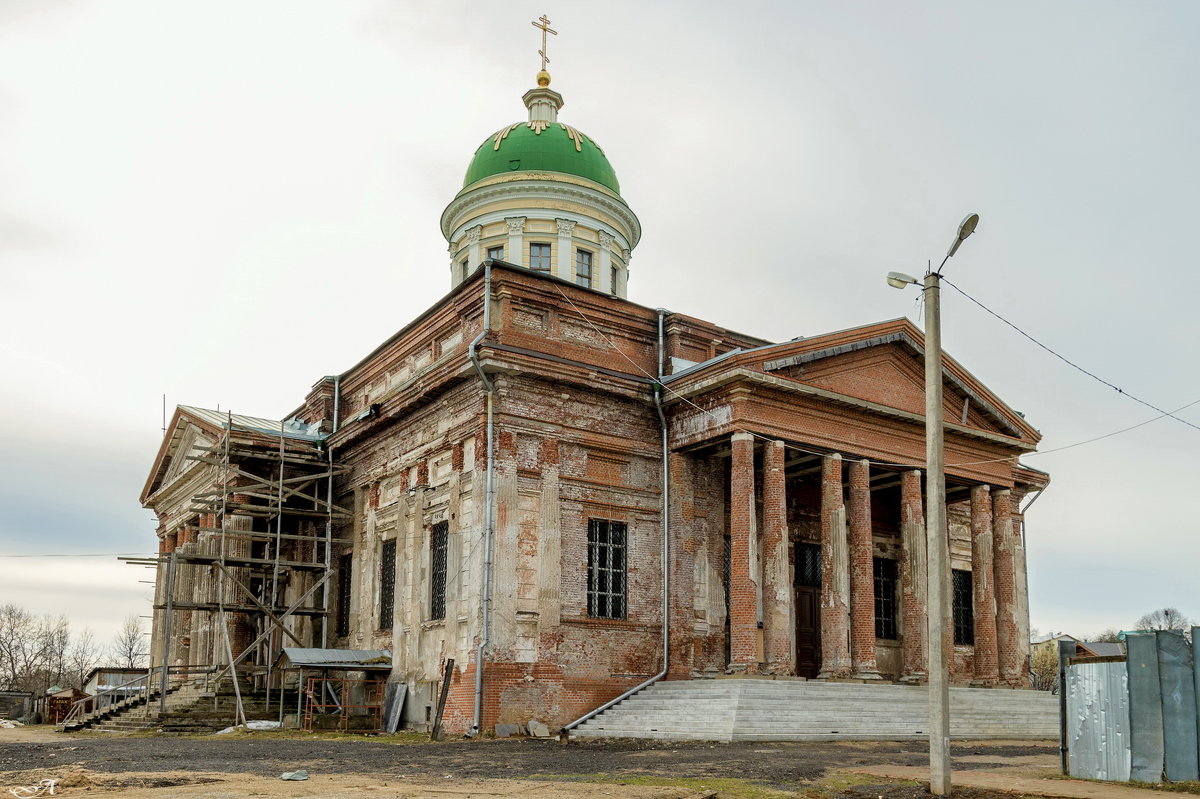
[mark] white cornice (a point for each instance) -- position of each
(458, 212)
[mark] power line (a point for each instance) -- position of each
(1162, 414)
(1074, 365)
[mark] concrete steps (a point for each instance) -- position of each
(191, 708)
(749, 709)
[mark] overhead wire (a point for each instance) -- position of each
(677, 395)
(1076, 366)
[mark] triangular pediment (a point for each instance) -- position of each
(885, 365)
(191, 443)
(187, 435)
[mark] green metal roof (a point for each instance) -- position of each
(552, 150)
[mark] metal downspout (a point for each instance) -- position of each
(666, 553)
(337, 403)
(489, 500)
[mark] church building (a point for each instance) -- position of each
(571, 495)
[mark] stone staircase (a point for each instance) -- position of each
(750, 709)
(191, 708)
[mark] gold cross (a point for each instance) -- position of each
(545, 28)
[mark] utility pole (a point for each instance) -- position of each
(936, 545)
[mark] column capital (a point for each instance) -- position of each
(516, 224)
(565, 226)
(474, 233)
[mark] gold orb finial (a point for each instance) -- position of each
(543, 78)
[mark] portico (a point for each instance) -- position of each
(825, 575)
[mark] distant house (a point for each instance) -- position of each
(109, 685)
(56, 703)
(15, 704)
(1083, 649)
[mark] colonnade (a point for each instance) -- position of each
(760, 585)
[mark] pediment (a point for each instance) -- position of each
(187, 435)
(191, 442)
(889, 370)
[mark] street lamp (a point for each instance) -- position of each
(938, 572)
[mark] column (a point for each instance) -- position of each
(983, 587)
(779, 625)
(1020, 585)
(513, 252)
(743, 590)
(913, 570)
(862, 575)
(1007, 646)
(835, 574)
(601, 279)
(564, 264)
(473, 259)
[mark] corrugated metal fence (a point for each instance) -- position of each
(1138, 719)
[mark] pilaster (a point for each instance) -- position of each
(564, 264)
(514, 252)
(473, 256)
(603, 279)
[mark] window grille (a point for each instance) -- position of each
(964, 612)
(495, 253)
(539, 257)
(885, 598)
(387, 584)
(438, 542)
(808, 565)
(606, 569)
(583, 268)
(342, 622)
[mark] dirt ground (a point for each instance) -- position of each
(250, 764)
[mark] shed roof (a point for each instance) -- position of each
(367, 659)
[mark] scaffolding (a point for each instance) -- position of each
(254, 571)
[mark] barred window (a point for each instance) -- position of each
(495, 253)
(539, 257)
(583, 268)
(387, 584)
(615, 275)
(606, 569)
(341, 625)
(885, 598)
(964, 612)
(438, 541)
(808, 565)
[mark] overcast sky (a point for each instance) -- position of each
(223, 201)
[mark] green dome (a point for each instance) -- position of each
(558, 148)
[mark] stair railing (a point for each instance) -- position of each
(77, 707)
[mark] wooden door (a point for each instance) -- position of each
(808, 609)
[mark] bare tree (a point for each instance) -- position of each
(32, 650)
(17, 646)
(83, 657)
(1109, 636)
(1164, 619)
(129, 646)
